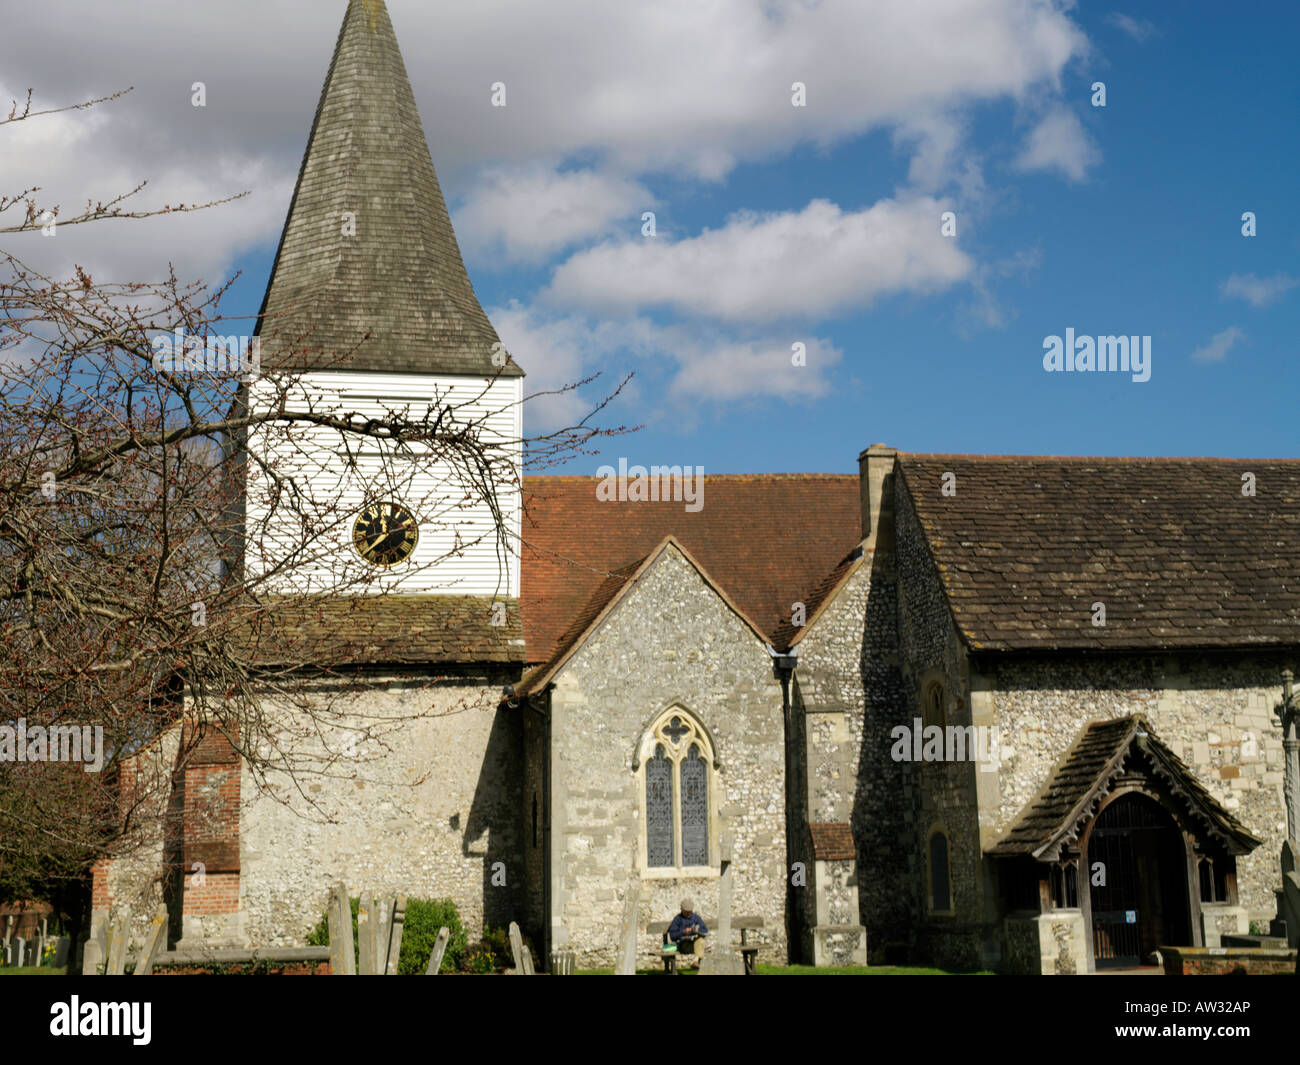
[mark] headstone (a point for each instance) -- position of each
(439, 949)
(93, 954)
(1289, 897)
(723, 960)
(395, 938)
(724, 896)
(62, 946)
(117, 944)
(383, 933)
(343, 959)
(626, 964)
(155, 940)
(517, 949)
(528, 962)
(366, 918)
(20, 951)
(722, 963)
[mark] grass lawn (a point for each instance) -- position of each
(32, 970)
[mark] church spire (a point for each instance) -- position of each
(368, 245)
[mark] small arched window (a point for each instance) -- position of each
(678, 766)
(934, 704)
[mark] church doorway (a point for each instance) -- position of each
(1137, 859)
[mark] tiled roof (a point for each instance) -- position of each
(1073, 792)
(400, 278)
(787, 633)
(767, 540)
(1173, 549)
(832, 841)
(605, 598)
(387, 630)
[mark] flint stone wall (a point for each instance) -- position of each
(431, 809)
(946, 792)
(671, 640)
(1213, 712)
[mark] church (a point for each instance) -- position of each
(985, 712)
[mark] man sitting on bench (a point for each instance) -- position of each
(686, 928)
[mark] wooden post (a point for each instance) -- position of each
(154, 942)
(439, 949)
(395, 939)
(343, 960)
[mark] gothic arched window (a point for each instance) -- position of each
(677, 760)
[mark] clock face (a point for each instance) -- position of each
(385, 534)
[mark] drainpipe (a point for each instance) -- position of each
(783, 666)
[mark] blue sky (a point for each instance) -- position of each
(1117, 220)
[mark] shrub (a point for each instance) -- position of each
(492, 953)
(419, 931)
(423, 919)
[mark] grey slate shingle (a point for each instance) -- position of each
(401, 277)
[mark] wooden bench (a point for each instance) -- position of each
(747, 952)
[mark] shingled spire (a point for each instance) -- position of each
(400, 278)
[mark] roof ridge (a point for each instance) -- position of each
(1085, 458)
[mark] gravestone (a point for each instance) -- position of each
(365, 935)
(155, 940)
(20, 951)
(382, 930)
(439, 949)
(723, 960)
(627, 929)
(528, 962)
(62, 946)
(395, 938)
(517, 949)
(94, 954)
(117, 944)
(343, 959)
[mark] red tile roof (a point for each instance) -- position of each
(768, 540)
(832, 841)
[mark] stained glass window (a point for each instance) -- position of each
(677, 823)
(695, 809)
(659, 809)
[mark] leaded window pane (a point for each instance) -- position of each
(659, 809)
(695, 809)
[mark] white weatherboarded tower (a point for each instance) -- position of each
(369, 302)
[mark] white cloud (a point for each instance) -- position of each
(1218, 347)
(1258, 291)
(527, 214)
(1060, 143)
(722, 370)
(764, 267)
(1137, 28)
(686, 367)
(673, 86)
